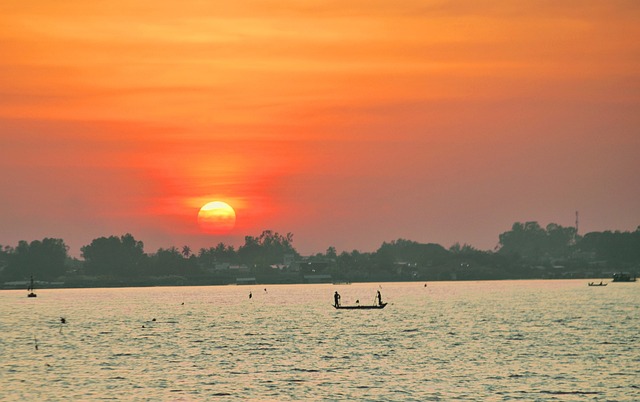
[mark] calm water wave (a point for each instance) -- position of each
(493, 340)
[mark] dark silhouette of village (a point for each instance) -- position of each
(527, 251)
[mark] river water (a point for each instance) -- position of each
(488, 340)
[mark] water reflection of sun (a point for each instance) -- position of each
(216, 217)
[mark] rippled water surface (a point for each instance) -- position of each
(493, 340)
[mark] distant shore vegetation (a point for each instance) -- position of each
(527, 251)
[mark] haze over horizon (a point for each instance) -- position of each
(346, 124)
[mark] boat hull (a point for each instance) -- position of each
(360, 307)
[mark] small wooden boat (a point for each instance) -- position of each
(359, 307)
(597, 284)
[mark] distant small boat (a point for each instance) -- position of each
(30, 289)
(359, 307)
(597, 284)
(623, 277)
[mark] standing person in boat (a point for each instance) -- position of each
(336, 298)
(379, 297)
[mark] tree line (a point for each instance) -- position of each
(528, 250)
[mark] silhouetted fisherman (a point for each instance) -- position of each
(336, 299)
(379, 297)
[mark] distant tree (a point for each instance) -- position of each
(221, 253)
(526, 240)
(172, 262)
(268, 248)
(621, 249)
(114, 256)
(331, 253)
(531, 242)
(225, 253)
(560, 240)
(4, 259)
(354, 266)
(43, 259)
(456, 248)
(186, 251)
(403, 250)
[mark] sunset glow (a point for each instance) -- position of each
(346, 123)
(216, 217)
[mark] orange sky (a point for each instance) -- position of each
(345, 123)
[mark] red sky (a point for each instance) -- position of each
(345, 123)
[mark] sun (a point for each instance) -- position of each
(216, 217)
